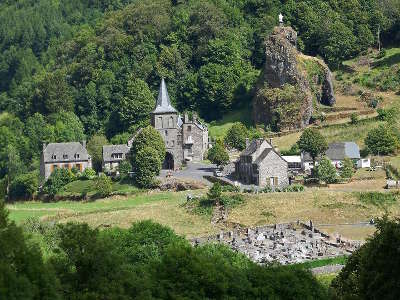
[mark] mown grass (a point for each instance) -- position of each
(218, 129)
(334, 133)
(339, 260)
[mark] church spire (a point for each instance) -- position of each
(163, 104)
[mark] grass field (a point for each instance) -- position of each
(336, 205)
(218, 129)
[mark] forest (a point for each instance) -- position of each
(71, 70)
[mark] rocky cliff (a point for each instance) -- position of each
(291, 84)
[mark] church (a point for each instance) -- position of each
(186, 139)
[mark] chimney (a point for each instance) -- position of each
(194, 116)
(247, 142)
(84, 144)
(44, 146)
(186, 118)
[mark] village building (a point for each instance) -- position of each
(260, 164)
(337, 152)
(64, 155)
(113, 155)
(186, 139)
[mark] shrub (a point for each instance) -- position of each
(325, 171)
(58, 179)
(347, 169)
(231, 201)
(388, 115)
(218, 155)
(382, 140)
(377, 198)
(147, 166)
(124, 168)
(148, 137)
(88, 174)
(215, 192)
(354, 118)
(236, 136)
(103, 185)
(372, 271)
(312, 142)
(23, 187)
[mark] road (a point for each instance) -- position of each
(193, 171)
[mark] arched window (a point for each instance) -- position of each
(171, 122)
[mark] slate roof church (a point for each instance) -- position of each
(186, 139)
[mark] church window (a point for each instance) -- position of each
(166, 132)
(159, 122)
(189, 128)
(171, 122)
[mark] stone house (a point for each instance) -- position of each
(113, 155)
(64, 155)
(261, 165)
(336, 152)
(186, 139)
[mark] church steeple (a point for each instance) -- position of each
(163, 104)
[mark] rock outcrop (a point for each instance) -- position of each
(291, 84)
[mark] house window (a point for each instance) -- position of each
(116, 155)
(79, 167)
(160, 124)
(65, 156)
(171, 122)
(273, 181)
(172, 143)
(166, 132)
(189, 128)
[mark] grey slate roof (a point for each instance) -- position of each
(65, 152)
(110, 149)
(262, 156)
(252, 147)
(163, 104)
(339, 151)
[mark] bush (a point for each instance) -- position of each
(289, 189)
(347, 169)
(236, 136)
(124, 168)
(217, 154)
(147, 166)
(88, 174)
(148, 137)
(372, 271)
(388, 115)
(354, 118)
(103, 185)
(382, 140)
(58, 179)
(325, 171)
(23, 187)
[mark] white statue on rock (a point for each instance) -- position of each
(280, 19)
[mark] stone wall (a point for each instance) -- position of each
(273, 166)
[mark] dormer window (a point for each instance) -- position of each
(116, 155)
(65, 156)
(54, 156)
(76, 155)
